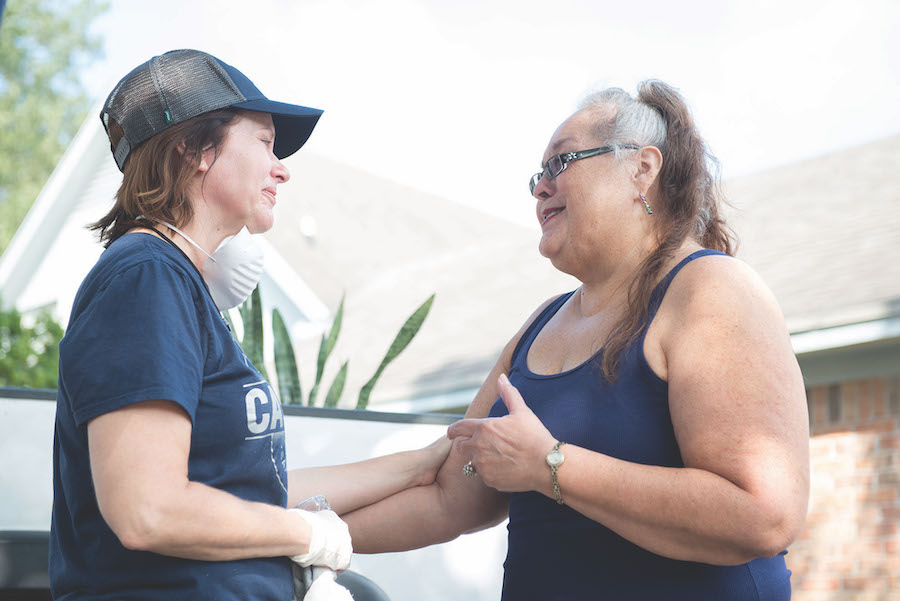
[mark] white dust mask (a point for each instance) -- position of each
(233, 271)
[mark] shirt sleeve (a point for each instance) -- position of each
(140, 338)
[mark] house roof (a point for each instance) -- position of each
(824, 234)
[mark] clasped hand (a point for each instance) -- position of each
(507, 452)
(329, 544)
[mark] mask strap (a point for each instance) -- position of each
(188, 238)
(188, 259)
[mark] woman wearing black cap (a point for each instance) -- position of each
(170, 477)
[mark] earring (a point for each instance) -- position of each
(646, 204)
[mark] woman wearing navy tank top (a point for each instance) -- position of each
(647, 433)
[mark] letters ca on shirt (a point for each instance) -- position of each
(264, 415)
(265, 422)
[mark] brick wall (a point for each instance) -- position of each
(850, 548)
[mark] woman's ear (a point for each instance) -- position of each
(649, 163)
(206, 156)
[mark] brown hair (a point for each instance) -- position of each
(690, 198)
(156, 174)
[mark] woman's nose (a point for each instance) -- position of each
(542, 190)
(280, 172)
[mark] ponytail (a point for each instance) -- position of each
(689, 179)
(690, 199)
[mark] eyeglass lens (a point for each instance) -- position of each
(554, 167)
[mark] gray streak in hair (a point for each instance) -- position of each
(633, 122)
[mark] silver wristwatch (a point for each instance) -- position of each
(555, 459)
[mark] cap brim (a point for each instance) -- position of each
(293, 123)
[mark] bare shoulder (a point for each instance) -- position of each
(723, 287)
(723, 324)
(714, 299)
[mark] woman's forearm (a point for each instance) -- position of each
(200, 522)
(682, 513)
(427, 515)
(408, 520)
(452, 505)
(354, 485)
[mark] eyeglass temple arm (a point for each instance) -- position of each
(583, 154)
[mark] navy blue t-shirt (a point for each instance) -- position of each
(143, 327)
(558, 554)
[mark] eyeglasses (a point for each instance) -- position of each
(557, 163)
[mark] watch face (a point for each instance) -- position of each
(554, 458)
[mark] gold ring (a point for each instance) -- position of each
(469, 469)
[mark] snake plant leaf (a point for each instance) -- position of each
(337, 387)
(313, 393)
(252, 343)
(258, 357)
(325, 350)
(401, 341)
(285, 362)
(325, 347)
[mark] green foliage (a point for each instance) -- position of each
(29, 356)
(44, 47)
(285, 358)
(285, 362)
(401, 341)
(252, 342)
(325, 348)
(337, 387)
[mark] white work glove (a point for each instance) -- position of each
(321, 586)
(329, 543)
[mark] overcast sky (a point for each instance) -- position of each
(459, 97)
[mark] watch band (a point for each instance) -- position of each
(554, 467)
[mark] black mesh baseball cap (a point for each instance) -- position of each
(182, 84)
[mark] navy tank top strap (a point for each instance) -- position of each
(655, 301)
(538, 323)
(660, 291)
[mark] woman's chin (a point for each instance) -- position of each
(548, 248)
(260, 226)
(557, 258)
